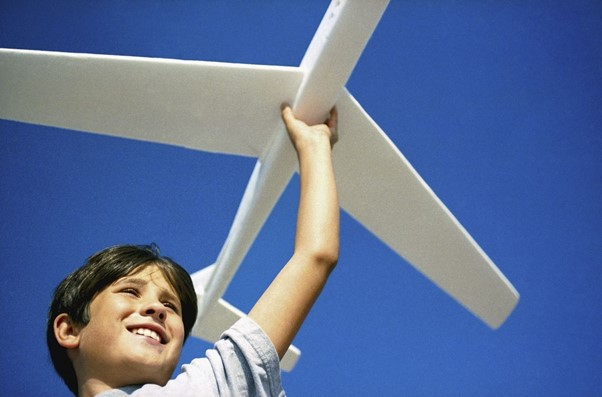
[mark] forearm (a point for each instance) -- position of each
(284, 306)
(317, 234)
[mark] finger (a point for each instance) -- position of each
(287, 115)
(331, 121)
(332, 118)
(332, 124)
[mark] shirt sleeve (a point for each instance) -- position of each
(245, 362)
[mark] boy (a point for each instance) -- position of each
(116, 326)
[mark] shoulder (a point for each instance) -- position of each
(247, 354)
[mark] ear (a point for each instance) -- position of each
(66, 333)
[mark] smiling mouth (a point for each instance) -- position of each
(149, 333)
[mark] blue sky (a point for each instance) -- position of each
(496, 104)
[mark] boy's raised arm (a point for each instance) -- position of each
(284, 305)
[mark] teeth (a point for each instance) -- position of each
(147, 332)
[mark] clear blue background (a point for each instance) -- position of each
(496, 103)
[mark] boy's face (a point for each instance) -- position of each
(135, 333)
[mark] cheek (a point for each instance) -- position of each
(105, 319)
(177, 330)
(97, 336)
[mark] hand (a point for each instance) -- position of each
(303, 135)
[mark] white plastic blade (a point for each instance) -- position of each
(211, 106)
(333, 53)
(379, 188)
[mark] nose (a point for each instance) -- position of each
(156, 310)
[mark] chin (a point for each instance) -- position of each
(153, 379)
(153, 373)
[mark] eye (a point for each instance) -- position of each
(171, 306)
(130, 291)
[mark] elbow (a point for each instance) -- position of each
(323, 261)
(326, 258)
(322, 253)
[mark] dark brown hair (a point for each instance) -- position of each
(75, 293)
